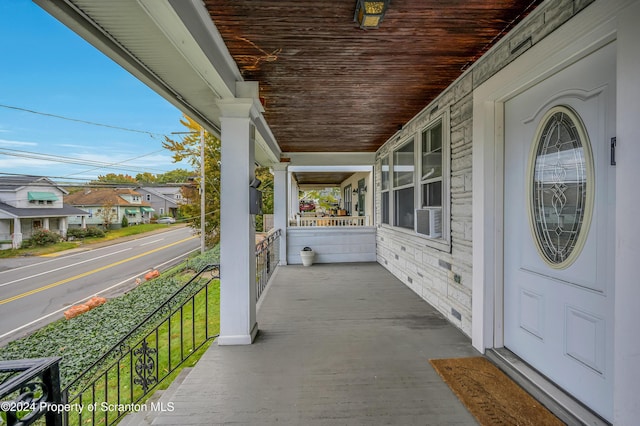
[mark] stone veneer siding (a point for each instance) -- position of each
(444, 278)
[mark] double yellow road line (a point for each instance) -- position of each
(84, 274)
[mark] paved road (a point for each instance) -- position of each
(36, 291)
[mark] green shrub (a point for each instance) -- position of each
(125, 222)
(209, 257)
(92, 231)
(79, 233)
(41, 238)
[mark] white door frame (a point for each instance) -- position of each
(587, 32)
(595, 26)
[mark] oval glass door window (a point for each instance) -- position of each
(560, 187)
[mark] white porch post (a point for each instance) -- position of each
(17, 233)
(45, 224)
(63, 227)
(83, 222)
(238, 324)
(280, 207)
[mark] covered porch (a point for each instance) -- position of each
(338, 343)
(320, 92)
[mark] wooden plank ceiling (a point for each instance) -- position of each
(328, 86)
(322, 178)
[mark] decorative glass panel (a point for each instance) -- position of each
(560, 186)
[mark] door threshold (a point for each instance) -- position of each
(556, 400)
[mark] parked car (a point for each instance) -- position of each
(307, 206)
(166, 219)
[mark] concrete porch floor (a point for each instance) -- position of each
(338, 344)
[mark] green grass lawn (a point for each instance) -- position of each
(181, 336)
(177, 338)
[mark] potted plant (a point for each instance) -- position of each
(307, 255)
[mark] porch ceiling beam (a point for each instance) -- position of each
(336, 169)
(330, 158)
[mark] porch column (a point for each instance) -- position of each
(280, 206)
(83, 222)
(63, 227)
(293, 193)
(45, 223)
(238, 324)
(17, 233)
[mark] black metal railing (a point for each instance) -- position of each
(267, 259)
(120, 381)
(30, 389)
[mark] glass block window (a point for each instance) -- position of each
(561, 186)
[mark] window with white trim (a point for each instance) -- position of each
(384, 169)
(403, 185)
(415, 181)
(431, 182)
(347, 199)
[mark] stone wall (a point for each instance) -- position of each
(442, 276)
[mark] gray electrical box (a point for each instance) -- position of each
(255, 201)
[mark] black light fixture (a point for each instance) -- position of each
(369, 14)
(362, 190)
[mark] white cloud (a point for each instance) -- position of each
(6, 142)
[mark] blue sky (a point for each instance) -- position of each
(47, 68)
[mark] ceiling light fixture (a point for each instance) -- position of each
(369, 14)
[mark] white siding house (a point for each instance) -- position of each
(30, 203)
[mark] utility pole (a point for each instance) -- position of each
(201, 189)
(202, 183)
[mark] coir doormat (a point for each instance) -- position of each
(490, 395)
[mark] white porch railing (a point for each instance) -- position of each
(331, 221)
(332, 244)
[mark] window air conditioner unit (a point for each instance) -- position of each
(429, 222)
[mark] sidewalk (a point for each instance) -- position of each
(99, 244)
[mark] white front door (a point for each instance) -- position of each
(559, 227)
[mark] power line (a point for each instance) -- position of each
(77, 120)
(119, 162)
(71, 160)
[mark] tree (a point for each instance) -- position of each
(175, 176)
(326, 198)
(265, 176)
(114, 178)
(146, 177)
(108, 214)
(189, 149)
